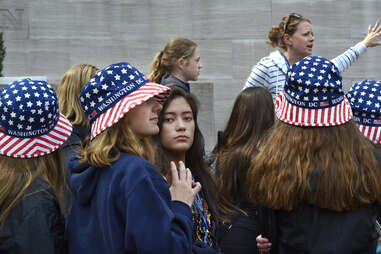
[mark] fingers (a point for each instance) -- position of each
(369, 28)
(263, 244)
(183, 172)
(174, 174)
(196, 188)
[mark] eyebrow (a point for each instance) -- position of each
(173, 113)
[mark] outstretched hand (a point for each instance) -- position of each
(373, 37)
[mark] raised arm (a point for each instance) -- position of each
(372, 39)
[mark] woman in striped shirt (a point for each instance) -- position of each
(295, 39)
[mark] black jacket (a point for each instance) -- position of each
(314, 230)
(239, 236)
(35, 224)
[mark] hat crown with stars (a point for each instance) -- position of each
(29, 116)
(313, 95)
(113, 91)
(365, 100)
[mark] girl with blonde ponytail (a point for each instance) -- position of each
(177, 64)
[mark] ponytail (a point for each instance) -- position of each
(157, 70)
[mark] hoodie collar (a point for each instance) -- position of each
(280, 60)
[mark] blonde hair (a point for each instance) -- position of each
(16, 176)
(68, 91)
(100, 153)
(347, 171)
(165, 60)
(288, 25)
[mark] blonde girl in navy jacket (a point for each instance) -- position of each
(121, 202)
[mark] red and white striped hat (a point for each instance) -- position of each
(114, 91)
(365, 100)
(313, 95)
(30, 123)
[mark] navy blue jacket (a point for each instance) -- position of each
(126, 208)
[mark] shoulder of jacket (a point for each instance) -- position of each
(274, 58)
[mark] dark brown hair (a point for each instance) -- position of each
(193, 158)
(288, 25)
(340, 156)
(251, 117)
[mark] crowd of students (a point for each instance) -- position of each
(114, 161)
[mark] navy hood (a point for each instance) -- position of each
(83, 180)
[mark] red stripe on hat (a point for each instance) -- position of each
(14, 144)
(314, 116)
(104, 119)
(372, 134)
(377, 135)
(21, 147)
(4, 139)
(35, 144)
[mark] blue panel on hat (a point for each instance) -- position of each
(108, 86)
(365, 100)
(28, 108)
(314, 82)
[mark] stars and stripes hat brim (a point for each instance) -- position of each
(365, 100)
(31, 124)
(115, 90)
(313, 95)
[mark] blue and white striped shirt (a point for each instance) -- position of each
(270, 72)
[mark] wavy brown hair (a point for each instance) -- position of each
(340, 156)
(165, 60)
(68, 91)
(288, 25)
(194, 159)
(101, 152)
(16, 176)
(251, 117)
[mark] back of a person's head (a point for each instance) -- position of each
(252, 115)
(166, 60)
(68, 90)
(365, 100)
(288, 25)
(314, 134)
(31, 132)
(251, 118)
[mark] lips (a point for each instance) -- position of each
(154, 119)
(181, 138)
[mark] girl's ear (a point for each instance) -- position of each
(181, 63)
(287, 40)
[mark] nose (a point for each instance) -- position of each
(200, 66)
(157, 107)
(180, 126)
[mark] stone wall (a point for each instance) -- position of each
(47, 37)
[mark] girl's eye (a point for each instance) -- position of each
(189, 118)
(168, 120)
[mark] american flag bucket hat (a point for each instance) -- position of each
(365, 100)
(115, 90)
(30, 122)
(313, 95)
